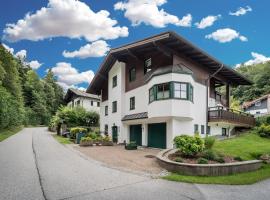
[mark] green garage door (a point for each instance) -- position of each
(157, 135)
(135, 134)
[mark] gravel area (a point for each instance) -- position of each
(141, 160)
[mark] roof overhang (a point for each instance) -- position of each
(168, 43)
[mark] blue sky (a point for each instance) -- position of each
(230, 36)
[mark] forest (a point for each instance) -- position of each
(25, 98)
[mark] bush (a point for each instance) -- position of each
(92, 135)
(75, 130)
(131, 146)
(263, 130)
(209, 154)
(86, 139)
(220, 160)
(238, 158)
(256, 155)
(209, 142)
(189, 146)
(180, 160)
(202, 161)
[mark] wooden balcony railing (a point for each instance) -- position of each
(219, 113)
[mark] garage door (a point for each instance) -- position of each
(157, 135)
(135, 132)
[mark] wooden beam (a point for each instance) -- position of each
(162, 50)
(132, 54)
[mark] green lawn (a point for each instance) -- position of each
(236, 179)
(4, 134)
(62, 140)
(243, 146)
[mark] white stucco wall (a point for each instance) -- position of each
(86, 104)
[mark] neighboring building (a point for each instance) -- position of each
(258, 107)
(76, 97)
(157, 88)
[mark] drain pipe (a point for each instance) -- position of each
(207, 90)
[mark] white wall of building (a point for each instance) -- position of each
(85, 103)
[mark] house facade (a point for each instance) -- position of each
(163, 86)
(258, 107)
(90, 102)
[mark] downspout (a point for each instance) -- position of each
(207, 89)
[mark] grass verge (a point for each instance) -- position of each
(61, 139)
(5, 133)
(235, 179)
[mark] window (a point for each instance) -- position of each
(106, 129)
(180, 90)
(202, 129)
(78, 102)
(132, 103)
(114, 106)
(147, 65)
(196, 128)
(114, 83)
(92, 103)
(190, 92)
(132, 74)
(98, 104)
(258, 103)
(152, 94)
(208, 131)
(106, 110)
(163, 91)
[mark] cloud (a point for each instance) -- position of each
(207, 21)
(256, 59)
(66, 18)
(241, 11)
(226, 35)
(147, 12)
(96, 49)
(22, 54)
(69, 76)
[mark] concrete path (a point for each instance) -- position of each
(35, 166)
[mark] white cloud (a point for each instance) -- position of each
(241, 11)
(9, 49)
(22, 55)
(96, 49)
(69, 76)
(147, 11)
(67, 18)
(256, 59)
(207, 21)
(226, 35)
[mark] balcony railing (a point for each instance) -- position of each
(219, 113)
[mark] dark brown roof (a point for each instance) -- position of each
(135, 116)
(168, 42)
(250, 103)
(72, 91)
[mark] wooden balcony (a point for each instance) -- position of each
(230, 116)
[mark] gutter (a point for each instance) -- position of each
(207, 90)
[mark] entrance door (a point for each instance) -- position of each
(224, 131)
(157, 135)
(135, 134)
(114, 134)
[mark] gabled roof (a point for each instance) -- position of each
(250, 103)
(167, 42)
(72, 91)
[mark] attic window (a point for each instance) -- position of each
(147, 65)
(258, 103)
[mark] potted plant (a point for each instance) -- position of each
(86, 141)
(131, 146)
(107, 141)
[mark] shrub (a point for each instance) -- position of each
(202, 161)
(238, 158)
(189, 146)
(75, 130)
(178, 160)
(220, 160)
(256, 155)
(263, 130)
(209, 142)
(209, 154)
(131, 146)
(107, 139)
(86, 139)
(92, 135)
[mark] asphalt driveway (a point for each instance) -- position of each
(35, 166)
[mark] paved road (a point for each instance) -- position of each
(35, 166)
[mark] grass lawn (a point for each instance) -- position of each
(236, 179)
(243, 146)
(61, 139)
(4, 134)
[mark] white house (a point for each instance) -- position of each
(258, 107)
(163, 86)
(88, 101)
